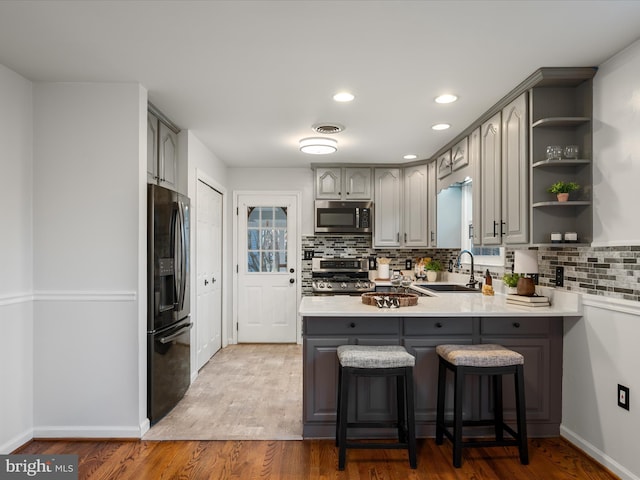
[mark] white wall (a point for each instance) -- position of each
(16, 260)
(600, 349)
(289, 179)
(88, 221)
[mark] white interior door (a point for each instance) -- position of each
(267, 262)
(208, 272)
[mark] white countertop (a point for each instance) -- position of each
(455, 304)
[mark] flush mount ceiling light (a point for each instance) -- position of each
(343, 97)
(440, 126)
(446, 98)
(410, 156)
(318, 145)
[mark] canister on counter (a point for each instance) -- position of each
(556, 237)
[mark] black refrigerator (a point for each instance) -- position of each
(168, 321)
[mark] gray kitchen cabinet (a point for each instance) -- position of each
(539, 339)
(504, 176)
(376, 398)
(476, 165)
(387, 203)
(432, 219)
(164, 167)
(416, 206)
(401, 199)
(337, 183)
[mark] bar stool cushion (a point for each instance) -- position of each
(366, 356)
(482, 355)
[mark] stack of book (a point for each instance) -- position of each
(535, 301)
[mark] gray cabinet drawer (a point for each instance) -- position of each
(352, 326)
(515, 326)
(438, 326)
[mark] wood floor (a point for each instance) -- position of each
(550, 459)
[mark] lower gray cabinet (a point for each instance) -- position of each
(373, 399)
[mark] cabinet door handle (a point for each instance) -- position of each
(433, 234)
(352, 325)
(398, 237)
(438, 325)
(470, 230)
(501, 230)
(495, 227)
(405, 237)
(516, 324)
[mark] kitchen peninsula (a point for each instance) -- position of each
(462, 318)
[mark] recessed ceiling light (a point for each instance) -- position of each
(446, 98)
(411, 156)
(318, 145)
(344, 97)
(440, 126)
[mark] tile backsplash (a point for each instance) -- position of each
(606, 271)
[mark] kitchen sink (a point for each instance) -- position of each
(445, 287)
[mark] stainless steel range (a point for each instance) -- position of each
(340, 276)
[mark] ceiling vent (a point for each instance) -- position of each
(327, 128)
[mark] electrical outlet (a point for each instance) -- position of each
(308, 254)
(623, 397)
(559, 276)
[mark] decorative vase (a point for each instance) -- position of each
(383, 271)
(526, 287)
(563, 197)
(432, 275)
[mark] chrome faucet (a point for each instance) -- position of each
(472, 281)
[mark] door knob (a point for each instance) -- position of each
(292, 280)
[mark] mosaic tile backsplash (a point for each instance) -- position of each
(606, 271)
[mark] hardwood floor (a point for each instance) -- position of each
(550, 459)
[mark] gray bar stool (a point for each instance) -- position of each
(377, 361)
(483, 359)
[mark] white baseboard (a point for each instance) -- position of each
(16, 442)
(88, 432)
(597, 454)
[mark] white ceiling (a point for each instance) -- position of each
(250, 78)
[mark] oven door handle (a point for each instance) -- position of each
(176, 334)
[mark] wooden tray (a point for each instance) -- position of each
(404, 299)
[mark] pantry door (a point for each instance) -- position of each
(267, 269)
(209, 216)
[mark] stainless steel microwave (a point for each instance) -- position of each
(335, 216)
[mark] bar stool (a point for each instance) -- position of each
(484, 359)
(377, 361)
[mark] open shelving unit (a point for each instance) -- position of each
(561, 113)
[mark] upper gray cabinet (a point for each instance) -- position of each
(164, 166)
(504, 175)
(337, 183)
(402, 203)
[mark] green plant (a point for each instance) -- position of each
(434, 265)
(563, 187)
(511, 279)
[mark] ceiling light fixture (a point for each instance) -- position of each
(446, 98)
(318, 145)
(344, 97)
(410, 156)
(440, 126)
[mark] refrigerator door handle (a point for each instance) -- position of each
(176, 334)
(183, 255)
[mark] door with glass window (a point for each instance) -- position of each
(267, 261)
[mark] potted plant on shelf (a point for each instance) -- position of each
(511, 281)
(563, 189)
(433, 267)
